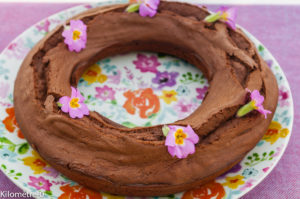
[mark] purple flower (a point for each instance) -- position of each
(228, 15)
(255, 104)
(146, 64)
(105, 93)
(165, 79)
(181, 141)
(75, 35)
(74, 105)
(145, 7)
(224, 13)
(201, 92)
(148, 7)
(40, 183)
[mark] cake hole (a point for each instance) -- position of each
(143, 88)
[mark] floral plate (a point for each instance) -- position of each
(127, 89)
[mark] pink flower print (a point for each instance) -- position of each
(146, 64)
(105, 93)
(283, 96)
(40, 183)
(201, 92)
(4, 88)
(43, 26)
(278, 150)
(17, 50)
(184, 108)
(51, 172)
(115, 78)
(266, 169)
(248, 184)
(129, 74)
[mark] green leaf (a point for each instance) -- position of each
(59, 104)
(11, 171)
(249, 157)
(189, 74)
(114, 102)
(12, 148)
(23, 148)
(247, 163)
(18, 174)
(261, 48)
(255, 154)
(5, 141)
(3, 166)
(148, 124)
(213, 17)
(264, 154)
(271, 153)
(152, 115)
(165, 130)
(48, 193)
(244, 110)
(133, 7)
(257, 159)
(129, 124)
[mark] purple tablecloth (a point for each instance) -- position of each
(277, 27)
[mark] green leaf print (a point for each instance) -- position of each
(129, 124)
(255, 158)
(4, 140)
(189, 78)
(23, 148)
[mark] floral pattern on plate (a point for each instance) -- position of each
(147, 88)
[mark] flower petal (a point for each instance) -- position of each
(259, 99)
(84, 109)
(146, 11)
(263, 111)
(172, 150)
(192, 136)
(74, 92)
(187, 148)
(64, 100)
(75, 113)
(170, 140)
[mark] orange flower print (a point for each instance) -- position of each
(36, 163)
(275, 132)
(78, 192)
(11, 123)
(144, 100)
(210, 190)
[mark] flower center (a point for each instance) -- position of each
(169, 95)
(234, 181)
(76, 35)
(179, 137)
(253, 104)
(224, 16)
(74, 103)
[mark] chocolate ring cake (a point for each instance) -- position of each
(109, 157)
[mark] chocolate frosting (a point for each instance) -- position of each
(106, 156)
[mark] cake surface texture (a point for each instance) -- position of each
(109, 157)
